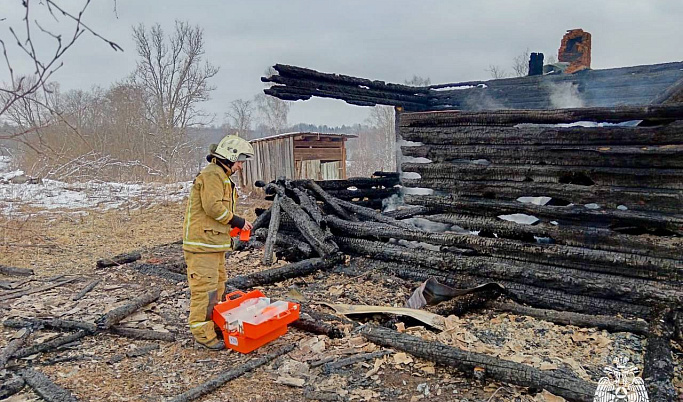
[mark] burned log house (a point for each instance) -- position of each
(601, 246)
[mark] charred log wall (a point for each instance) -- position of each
(614, 192)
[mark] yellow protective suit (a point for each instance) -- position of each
(206, 238)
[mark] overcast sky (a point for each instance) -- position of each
(445, 40)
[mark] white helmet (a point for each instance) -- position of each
(233, 148)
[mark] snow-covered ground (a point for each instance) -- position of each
(52, 195)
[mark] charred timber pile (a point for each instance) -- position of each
(577, 218)
(297, 83)
(607, 243)
(569, 285)
(365, 191)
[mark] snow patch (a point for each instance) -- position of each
(410, 175)
(412, 159)
(534, 200)
(523, 219)
(57, 195)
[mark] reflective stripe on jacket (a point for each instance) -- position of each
(210, 207)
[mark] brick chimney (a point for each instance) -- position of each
(536, 64)
(575, 50)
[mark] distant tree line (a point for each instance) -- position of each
(148, 124)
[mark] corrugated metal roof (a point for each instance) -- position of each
(285, 135)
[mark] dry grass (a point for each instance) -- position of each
(55, 242)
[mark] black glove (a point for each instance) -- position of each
(237, 222)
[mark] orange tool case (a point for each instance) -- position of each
(252, 336)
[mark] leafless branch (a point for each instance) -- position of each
(45, 67)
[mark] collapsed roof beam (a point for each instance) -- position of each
(297, 83)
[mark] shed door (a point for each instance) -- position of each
(317, 170)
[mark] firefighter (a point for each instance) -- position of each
(209, 217)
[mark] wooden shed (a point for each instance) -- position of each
(318, 156)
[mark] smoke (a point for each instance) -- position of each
(435, 227)
(482, 101)
(565, 95)
(392, 203)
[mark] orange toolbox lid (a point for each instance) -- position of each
(253, 331)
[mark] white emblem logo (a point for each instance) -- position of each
(621, 384)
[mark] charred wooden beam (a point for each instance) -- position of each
(11, 386)
(50, 323)
(295, 83)
(532, 174)
(578, 215)
(308, 323)
(306, 73)
(408, 212)
(362, 193)
(464, 304)
(331, 90)
(572, 281)
(624, 264)
(329, 200)
(285, 240)
(372, 214)
(624, 156)
(159, 270)
(559, 383)
(230, 375)
(358, 182)
(90, 286)
(15, 271)
(608, 323)
(262, 220)
(313, 234)
(334, 366)
(118, 314)
(570, 235)
(51, 344)
(143, 334)
(534, 135)
(45, 388)
(647, 199)
(294, 270)
(309, 204)
(23, 292)
(535, 296)
(658, 370)
(120, 259)
(12, 346)
(511, 117)
(370, 99)
(273, 227)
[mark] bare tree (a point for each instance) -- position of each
(520, 64)
(418, 81)
(240, 116)
(382, 121)
(273, 112)
(175, 77)
(37, 17)
(497, 72)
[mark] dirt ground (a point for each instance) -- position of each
(103, 367)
